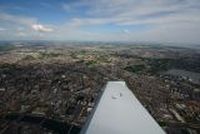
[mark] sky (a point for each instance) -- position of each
(101, 20)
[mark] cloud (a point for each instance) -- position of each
(131, 12)
(41, 28)
(66, 7)
(17, 19)
(171, 20)
(2, 29)
(23, 22)
(21, 34)
(14, 27)
(129, 20)
(126, 31)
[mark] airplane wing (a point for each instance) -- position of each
(118, 111)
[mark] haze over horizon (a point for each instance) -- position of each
(101, 20)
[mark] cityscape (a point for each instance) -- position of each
(48, 84)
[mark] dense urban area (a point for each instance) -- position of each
(51, 87)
